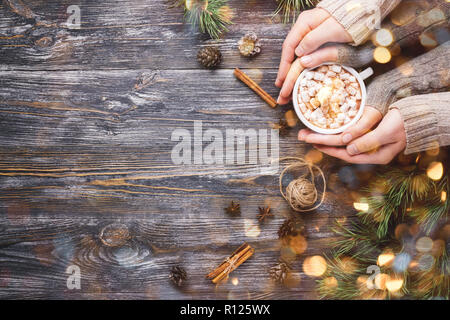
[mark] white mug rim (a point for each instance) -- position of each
(311, 126)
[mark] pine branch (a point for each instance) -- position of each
(211, 16)
(292, 8)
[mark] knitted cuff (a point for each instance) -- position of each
(359, 17)
(421, 123)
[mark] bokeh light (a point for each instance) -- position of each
(427, 40)
(426, 262)
(314, 266)
(443, 196)
(235, 281)
(298, 244)
(384, 37)
(252, 229)
(401, 262)
(435, 171)
(380, 281)
(424, 244)
(330, 282)
(394, 284)
(382, 55)
(364, 207)
(385, 259)
(291, 118)
(314, 156)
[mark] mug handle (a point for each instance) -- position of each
(366, 73)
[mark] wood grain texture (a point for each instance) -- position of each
(86, 118)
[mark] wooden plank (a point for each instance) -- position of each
(33, 260)
(128, 35)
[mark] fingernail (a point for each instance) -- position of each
(279, 100)
(299, 52)
(306, 60)
(352, 150)
(347, 138)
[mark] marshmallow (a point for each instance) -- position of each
(309, 75)
(305, 96)
(345, 107)
(302, 107)
(336, 68)
(319, 76)
(323, 69)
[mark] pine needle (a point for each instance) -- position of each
(212, 16)
(292, 8)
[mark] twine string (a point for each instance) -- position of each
(301, 193)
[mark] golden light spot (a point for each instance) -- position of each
(256, 75)
(364, 283)
(382, 55)
(438, 248)
(380, 281)
(235, 281)
(314, 156)
(385, 259)
(291, 118)
(314, 266)
(404, 13)
(443, 196)
(252, 229)
(424, 244)
(364, 207)
(427, 40)
(330, 282)
(384, 38)
(434, 152)
(401, 230)
(298, 244)
(413, 264)
(226, 13)
(348, 265)
(393, 285)
(435, 171)
(414, 229)
(404, 66)
(433, 16)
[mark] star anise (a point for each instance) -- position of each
(291, 227)
(279, 272)
(178, 275)
(233, 209)
(283, 127)
(264, 212)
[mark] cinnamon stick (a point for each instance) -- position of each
(255, 87)
(238, 257)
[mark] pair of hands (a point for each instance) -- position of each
(362, 143)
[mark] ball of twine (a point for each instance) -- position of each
(301, 193)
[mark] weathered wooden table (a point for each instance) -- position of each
(86, 118)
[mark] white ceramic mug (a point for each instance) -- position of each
(359, 76)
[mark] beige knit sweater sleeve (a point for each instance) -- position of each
(427, 121)
(359, 17)
(427, 73)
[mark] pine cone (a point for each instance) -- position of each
(209, 57)
(178, 275)
(292, 227)
(249, 45)
(279, 272)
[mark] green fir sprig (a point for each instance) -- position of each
(362, 246)
(399, 194)
(210, 16)
(290, 9)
